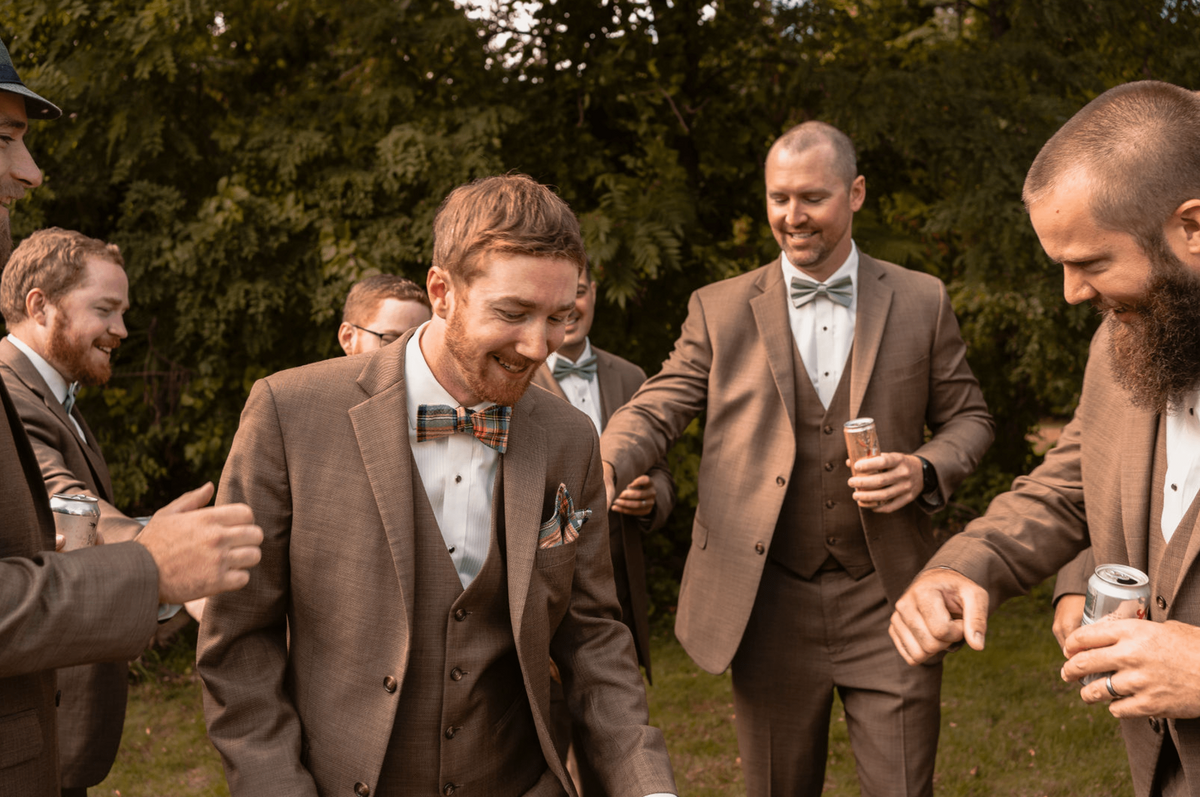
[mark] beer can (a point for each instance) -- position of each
(1115, 592)
(861, 439)
(76, 518)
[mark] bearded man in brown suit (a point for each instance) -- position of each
(1114, 197)
(434, 534)
(789, 578)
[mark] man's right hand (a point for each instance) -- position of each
(1068, 615)
(201, 550)
(939, 609)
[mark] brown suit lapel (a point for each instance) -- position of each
(381, 426)
(1137, 474)
(524, 483)
(544, 378)
(611, 397)
(870, 319)
(771, 316)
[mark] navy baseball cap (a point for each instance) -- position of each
(36, 107)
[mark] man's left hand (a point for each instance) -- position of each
(1154, 666)
(637, 499)
(887, 482)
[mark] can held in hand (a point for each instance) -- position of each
(1115, 592)
(861, 442)
(76, 518)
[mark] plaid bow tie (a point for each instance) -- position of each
(585, 368)
(489, 425)
(804, 291)
(69, 401)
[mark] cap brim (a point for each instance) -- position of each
(36, 107)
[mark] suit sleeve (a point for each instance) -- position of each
(242, 652)
(956, 413)
(60, 610)
(640, 433)
(596, 658)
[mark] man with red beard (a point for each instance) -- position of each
(434, 533)
(1114, 198)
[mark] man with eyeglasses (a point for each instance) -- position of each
(379, 310)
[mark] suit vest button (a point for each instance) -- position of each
(451, 731)
(830, 504)
(829, 466)
(759, 547)
(389, 684)
(456, 674)
(827, 429)
(1161, 601)
(780, 481)
(449, 789)
(1154, 724)
(362, 790)
(460, 614)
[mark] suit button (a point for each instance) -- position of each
(830, 504)
(57, 698)
(831, 540)
(1154, 724)
(759, 547)
(829, 466)
(449, 789)
(460, 614)
(827, 429)
(451, 731)
(780, 481)
(389, 684)
(362, 790)
(1161, 601)
(456, 674)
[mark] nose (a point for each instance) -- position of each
(538, 340)
(795, 214)
(117, 327)
(22, 167)
(1076, 288)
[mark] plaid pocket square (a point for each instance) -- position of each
(564, 525)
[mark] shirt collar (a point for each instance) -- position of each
(849, 268)
(420, 385)
(57, 383)
(587, 352)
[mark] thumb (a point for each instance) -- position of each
(193, 499)
(975, 611)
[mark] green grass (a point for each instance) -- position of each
(1010, 726)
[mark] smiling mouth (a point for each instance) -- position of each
(513, 368)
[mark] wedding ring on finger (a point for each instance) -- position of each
(1108, 683)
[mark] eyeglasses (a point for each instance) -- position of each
(383, 339)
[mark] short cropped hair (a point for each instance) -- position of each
(510, 214)
(1138, 146)
(814, 134)
(54, 260)
(366, 295)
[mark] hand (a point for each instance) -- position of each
(59, 542)
(201, 550)
(939, 609)
(1068, 615)
(887, 482)
(637, 499)
(610, 484)
(1154, 666)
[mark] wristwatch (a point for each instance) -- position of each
(929, 478)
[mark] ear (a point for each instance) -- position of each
(346, 336)
(439, 286)
(858, 193)
(1183, 228)
(36, 307)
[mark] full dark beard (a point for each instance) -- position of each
(5, 243)
(71, 357)
(503, 392)
(1157, 355)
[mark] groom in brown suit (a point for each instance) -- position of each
(790, 577)
(433, 535)
(1114, 197)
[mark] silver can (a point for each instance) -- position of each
(861, 442)
(76, 518)
(1115, 592)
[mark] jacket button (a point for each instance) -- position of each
(460, 614)
(449, 789)
(780, 481)
(389, 684)
(1161, 601)
(451, 731)
(1154, 724)
(57, 698)
(830, 504)
(456, 674)
(362, 790)
(759, 547)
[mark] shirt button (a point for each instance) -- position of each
(457, 479)
(460, 614)
(362, 790)
(759, 547)
(389, 684)
(451, 549)
(1161, 601)
(456, 674)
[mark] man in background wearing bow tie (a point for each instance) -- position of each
(597, 383)
(791, 577)
(434, 534)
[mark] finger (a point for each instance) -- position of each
(641, 481)
(974, 610)
(1098, 635)
(243, 557)
(193, 499)
(904, 641)
(226, 515)
(59, 542)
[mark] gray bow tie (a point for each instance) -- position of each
(804, 291)
(69, 401)
(584, 368)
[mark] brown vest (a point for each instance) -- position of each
(1165, 558)
(463, 724)
(819, 525)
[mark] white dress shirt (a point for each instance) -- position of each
(458, 471)
(1183, 462)
(584, 394)
(57, 383)
(822, 328)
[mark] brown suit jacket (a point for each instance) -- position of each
(1093, 487)
(619, 379)
(56, 610)
(733, 361)
(91, 713)
(297, 659)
